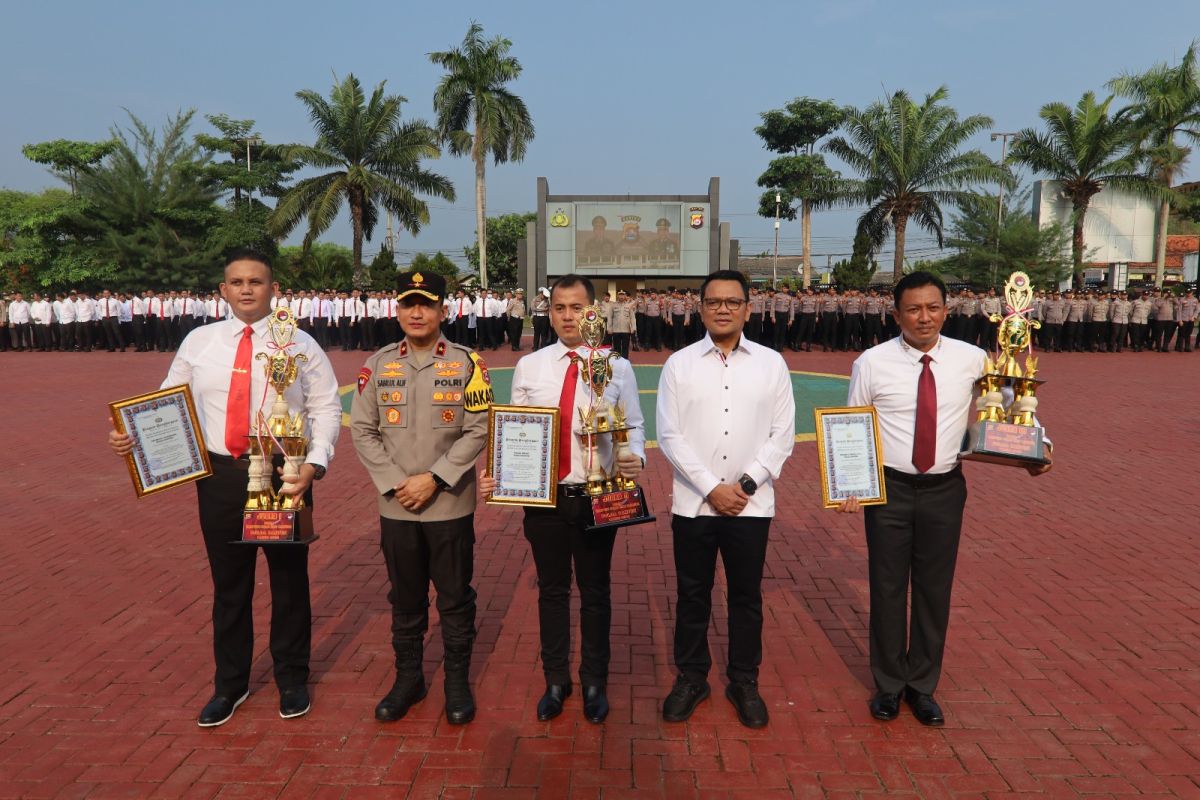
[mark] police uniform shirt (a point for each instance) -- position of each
(205, 361)
(1077, 310)
(538, 381)
(990, 305)
(829, 304)
(756, 303)
(853, 305)
(1100, 310)
(422, 411)
(1119, 311)
(1185, 309)
(621, 315)
(808, 304)
(1054, 312)
(516, 308)
(1164, 309)
(1141, 311)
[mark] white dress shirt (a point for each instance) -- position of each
(125, 311)
(886, 377)
(137, 306)
(720, 417)
(205, 361)
(18, 312)
(66, 311)
(305, 309)
(40, 312)
(84, 310)
(372, 308)
(538, 381)
(108, 307)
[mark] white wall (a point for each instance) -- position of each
(1118, 227)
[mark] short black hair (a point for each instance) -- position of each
(915, 280)
(726, 275)
(567, 281)
(248, 254)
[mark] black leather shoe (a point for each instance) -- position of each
(885, 705)
(751, 710)
(683, 699)
(219, 709)
(294, 702)
(924, 708)
(550, 706)
(407, 689)
(595, 704)
(460, 705)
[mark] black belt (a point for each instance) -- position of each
(927, 479)
(572, 490)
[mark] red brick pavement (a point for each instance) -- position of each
(1070, 668)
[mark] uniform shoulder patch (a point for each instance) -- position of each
(364, 376)
(478, 395)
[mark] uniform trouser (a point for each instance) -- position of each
(1184, 341)
(872, 330)
(807, 330)
(416, 553)
(742, 545)
(852, 332)
(139, 331)
(1071, 334)
(828, 329)
(462, 334)
(755, 327)
(541, 331)
(112, 334)
(1165, 332)
(620, 344)
(779, 332)
(368, 326)
(186, 323)
(5, 337)
(41, 336)
(345, 337)
(1052, 336)
(83, 335)
(221, 497)
(654, 327)
(1095, 335)
(1137, 335)
(483, 327)
(499, 330)
(516, 324)
(678, 332)
(25, 339)
(159, 334)
(1116, 336)
(913, 540)
(558, 541)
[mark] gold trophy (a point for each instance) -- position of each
(270, 517)
(1007, 433)
(616, 501)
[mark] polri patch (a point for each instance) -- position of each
(363, 377)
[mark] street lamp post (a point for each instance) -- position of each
(1003, 136)
(775, 261)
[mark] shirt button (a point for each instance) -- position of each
(724, 458)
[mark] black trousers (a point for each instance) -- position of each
(112, 334)
(808, 329)
(779, 332)
(222, 496)
(872, 330)
(754, 328)
(558, 540)
(913, 540)
(678, 332)
(654, 333)
(415, 554)
(1137, 335)
(139, 331)
(320, 331)
(1163, 333)
(621, 344)
(1052, 336)
(1183, 342)
(828, 330)
(515, 326)
(852, 332)
(742, 545)
(367, 326)
(1116, 336)
(541, 331)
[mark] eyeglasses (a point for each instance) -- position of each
(732, 303)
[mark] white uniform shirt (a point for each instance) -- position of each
(108, 307)
(137, 306)
(125, 311)
(197, 308)
(720, 417)
(372, 310)
(18, 312)
(40, 313)
(479, 307)
(84, 310)
(305, 311)
(538, 381)
(886, 377)
(205, 361)
(494, 307)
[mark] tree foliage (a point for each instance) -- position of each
(858, 271)
(320, 266)
(503, 234)
(267, 174)
(439, 263)
(987, 253)
(67, 159)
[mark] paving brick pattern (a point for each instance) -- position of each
(1070, 669)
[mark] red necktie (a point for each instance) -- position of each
(925, 434)
(160, 309)
(237, 410)
(566, 415)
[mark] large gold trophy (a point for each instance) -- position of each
(616, 501)
(270, 517)
(1006, 432)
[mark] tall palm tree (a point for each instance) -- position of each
(908, 157)
(474, 91)
(374, 159)
(1166, 102)
(1084, 149)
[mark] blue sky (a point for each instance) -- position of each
(627, 97)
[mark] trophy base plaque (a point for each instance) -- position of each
(1005, 443)
(619, 508)
(291, 527)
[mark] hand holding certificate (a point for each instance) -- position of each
(850, 455)
(165, 447)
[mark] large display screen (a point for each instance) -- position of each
(643, 236)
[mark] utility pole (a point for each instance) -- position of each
(257, 142)
(775, 262)
(1003, 137)
(388, 242)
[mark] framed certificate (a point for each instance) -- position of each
(168, 446)
(523, 455)
(851, 456)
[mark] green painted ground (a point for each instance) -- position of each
(812, 390)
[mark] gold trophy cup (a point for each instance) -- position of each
(270, 517)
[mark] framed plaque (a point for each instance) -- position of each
(851, 456)
(522, 455)
(168, 445)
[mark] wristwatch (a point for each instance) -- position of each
(749, 485)
(318, 471)
(437, 479)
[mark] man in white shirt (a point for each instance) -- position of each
(228, 385)
(85, 317)
(110, 318)
(727, 423)
(20, 321)
(40, 317)
(67, 324)
(557, 536)
(137, 312)
(922, 385)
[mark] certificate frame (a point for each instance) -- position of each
(828, 420)
(547, 419)
(193, 454)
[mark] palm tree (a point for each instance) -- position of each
(1166, 102)
(374, 159)
(909, 161)
(473, 90)
(1084, 149)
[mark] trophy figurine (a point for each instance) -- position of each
(270, 517)
(616, 501)
(1007, 433)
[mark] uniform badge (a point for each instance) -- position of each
(440, 350)
(448, 415)
(392, 415)
(397, 397)
(363, 377)
(404, 348)
(478, 394)
(393, 365)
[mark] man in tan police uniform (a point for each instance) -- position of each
(419, 420)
